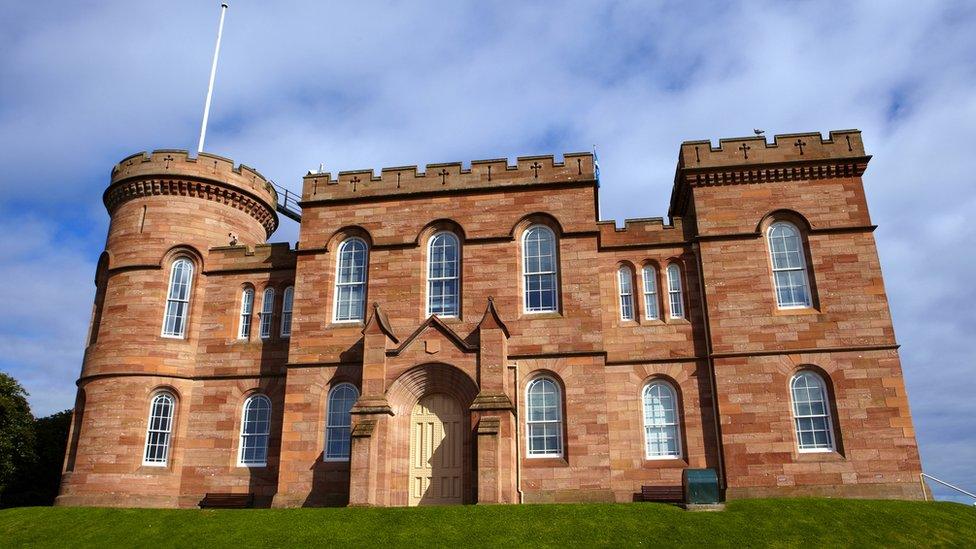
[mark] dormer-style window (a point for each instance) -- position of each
(540, 270)
(443, 275)
(789, 266)
(350, 288)
(178, 298)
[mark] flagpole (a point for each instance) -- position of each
(213, 74)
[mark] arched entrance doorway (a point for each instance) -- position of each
(436, 451)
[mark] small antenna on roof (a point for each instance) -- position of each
(213, 74)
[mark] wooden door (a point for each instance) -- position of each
(436, 442)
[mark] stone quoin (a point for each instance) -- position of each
(478, 335)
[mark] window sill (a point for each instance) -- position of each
(335, 460)
(678, 320)
(252, 465)
(795, 311)
(664, 463)
(544, 462)
(343, 324)
(819, 455)
(154, 469)
(541, 315)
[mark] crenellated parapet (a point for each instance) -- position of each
(452, 176)
(210, 177)
(650, 231)
(745, 160)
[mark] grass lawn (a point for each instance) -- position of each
(783, 523)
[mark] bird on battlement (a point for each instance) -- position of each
(758, 132)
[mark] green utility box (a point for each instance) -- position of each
(700, 486)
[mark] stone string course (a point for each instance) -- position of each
(730, 359)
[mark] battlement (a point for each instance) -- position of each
(648, 231)
(205, 166)
(790, 147)
(482, 174)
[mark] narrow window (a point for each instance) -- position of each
(789, 267)
(350, 290)
(544, 420)
(811, 411)
(255, 430)
(442, 275)
(661, 428)
(337, 430)
(625, 280)
(675, 298)
(540, 269)
(287, 302)
(650, 293)
(178, 299)
(247, 307)
(159, 429)
(267, 312)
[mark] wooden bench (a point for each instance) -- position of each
(663, 494)
(226, 501)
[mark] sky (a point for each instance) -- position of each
(370, 84)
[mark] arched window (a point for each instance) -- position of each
(267, 312)
(255, 430)
(178, 298)
(675, 299)
(811, 412)
(540, 269)
(651, 311)
(287, 302)
(339, 422)
(661, 421)
(159, 429)
(625, 282)
(443, 273)
(544, 419)
(247, 307)
(789, 266)
(350, 290)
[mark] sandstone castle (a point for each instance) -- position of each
(478, 335)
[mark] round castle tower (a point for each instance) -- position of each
(167, 211)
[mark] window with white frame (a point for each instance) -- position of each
(255, 431)
(789, 266)
(178, 298)
(339, 421)
(159, 429)
(625, 283)
(651, 311)
(544, 423)
(350, 289)
(247, 307)
(661, 421)
(540, 270)
(287, 302)
(267, 312)
(443, 275)
(811, 412)
(675, 298)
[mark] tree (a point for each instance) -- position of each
(16, 431)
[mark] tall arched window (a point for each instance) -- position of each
(337, 431)
(789, 267)
(443, 273)
(544, 424)
(651, 311)
(540, 269)
(625, 283)
(267, 312)
(675, 298)
(811, 412)
(350, 290)
(178, 298)
(287, 302)
(159, 429)
(255, 430)
(247, 307)
(662, 429)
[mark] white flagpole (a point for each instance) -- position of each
(213, 74)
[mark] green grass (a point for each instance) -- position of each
(781, 523)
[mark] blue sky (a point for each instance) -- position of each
(371, 84)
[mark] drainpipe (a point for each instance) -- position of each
(713, 380)
(518, 437)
